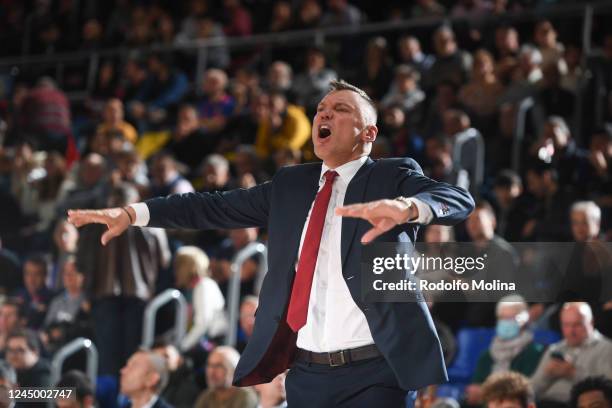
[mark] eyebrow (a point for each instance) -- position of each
(337, 104)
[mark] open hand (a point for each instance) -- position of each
(115, 219)
(382, 214)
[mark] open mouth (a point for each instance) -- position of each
(324, 131)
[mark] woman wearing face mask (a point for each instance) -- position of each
(512, 348)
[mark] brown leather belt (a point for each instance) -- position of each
(338, 358)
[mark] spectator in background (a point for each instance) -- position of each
(165, 177)
(48, 191)
(23, 355)
(340, 13)
(593, 391)
(583, 352)
(35, 296)
(399, 130)
(8, 381)
(221, 263)
(65, 307)
(446, 98)
(309, 14)
(222, 362)
(237, 19)
(143, 379)
(283, 125)
(217, 105)
(279, 78)
(45, 117)
(506, 52)
(481, 94)
(376, 73)
(135, 81)
(215, 174)
(572, 79)
(556, 146)
(11, 319)
(512, 348)
(451, 63)
(507, 189)
(10, 278)
(272, 394)
(427, 8)
(471, 8)
(113, 121)
(206, 300)
(182, 389)
(121, 278)
(248, 307)
(189, 142)
(248, 167)
(311, 85)
(405, 92)
(526, 77)
(508, 390)
(585, 218)
(130, 169)
(545, 37)
(83, 396)
(282, 17)
(410, 53)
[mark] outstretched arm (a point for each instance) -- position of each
(238, 208)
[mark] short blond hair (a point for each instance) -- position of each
(193, 260)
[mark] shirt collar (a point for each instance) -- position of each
(151, 402)
(347, 171)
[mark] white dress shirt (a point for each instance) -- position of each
(334, 320)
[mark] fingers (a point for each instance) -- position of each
(79, 218)
(380, 226)
(108, 235)
(353, 210)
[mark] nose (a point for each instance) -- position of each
(325, 113)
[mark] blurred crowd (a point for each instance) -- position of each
(450, 96)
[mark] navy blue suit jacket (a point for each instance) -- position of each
(403, 332)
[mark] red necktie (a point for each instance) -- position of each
(300, 293)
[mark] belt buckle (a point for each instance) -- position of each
(331, 359)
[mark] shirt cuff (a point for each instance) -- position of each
(425, 213)
(142, 214)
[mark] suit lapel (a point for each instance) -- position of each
(355, 193)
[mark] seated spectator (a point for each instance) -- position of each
(446, 98)
(527, 76)
(221, 261)
(279, 78)
(35, 296)
(451, 63)
(113, 122)
(545, 37)
(222, 362)
(189, 142)
(592, 392)
(182, 389)
(427, 8)
(48, 190)
(272, 394)
(376, 73)
(512, 348)
(508, 390)
(405, 92)
(553, 99)
(285, 125)
(506, 52)
(217, 105)
(11, 319)
(545, 222)
(165, 178)
(131, 169)
(282, 18)
(23, 354)
(207, 302)
(507, 188)
(397, 127)
(237, 18)
(313, 84)
(8, 381)
(248, 167)
(164, 89)
(309, 14)
(65, 307)
(410, 53)
(481, 94)
(248, 307)
(83, 395)
(340, 13)
(583, 352)
(585, 218)
(10, 278)
(143, 379)
(215, 174)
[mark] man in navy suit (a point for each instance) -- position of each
(311, 318)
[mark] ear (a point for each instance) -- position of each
(369, 133)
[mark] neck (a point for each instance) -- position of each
(73, 293)
(224, 393)
(141, 398)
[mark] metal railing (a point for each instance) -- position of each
(475, 170)
(233, 297)
(307, 37)
(70, 349)
(150, 314)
